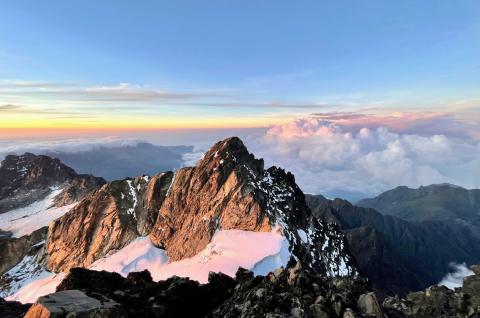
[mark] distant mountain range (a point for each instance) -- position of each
(406, 239)
(114, 163)
(436, 202)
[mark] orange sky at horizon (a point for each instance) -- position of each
(31, 122)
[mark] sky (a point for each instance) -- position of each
(99, 65)
(353, 97)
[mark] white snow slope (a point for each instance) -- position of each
(26, 220)
(261, 252)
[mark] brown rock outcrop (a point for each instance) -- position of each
(76, 189)
(106, 220)
(213, 194)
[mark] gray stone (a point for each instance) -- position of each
(369, 305)
(297, 312)
(338, 307)
(74, 304)
(318, 312)
(259, 293)
(320, 299)
(475, 269)
(348, 313)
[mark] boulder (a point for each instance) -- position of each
(75, 304)
(369, 305)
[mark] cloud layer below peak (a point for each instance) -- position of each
(352, 155)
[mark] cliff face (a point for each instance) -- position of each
(104, 221)
(212, 195)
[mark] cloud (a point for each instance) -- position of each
(30, 84)
(9, 107)
(355, 155)
(455, 278)
(22, 109)
(122, 92)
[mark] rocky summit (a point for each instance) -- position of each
(230, 189)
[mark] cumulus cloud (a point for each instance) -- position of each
(455, 278)
(345, 158)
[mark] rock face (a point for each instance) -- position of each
(106, 220)
(74, 303)
(438, 301)
(230, 189)
(213, 194)
(14, 249)
(292, 292)
(28, 178)
(398, 256)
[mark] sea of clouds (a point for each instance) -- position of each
(345, 159)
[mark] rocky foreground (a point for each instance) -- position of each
(291, 292)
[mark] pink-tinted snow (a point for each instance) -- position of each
(228, 250)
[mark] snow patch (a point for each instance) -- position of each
(29, 280)
(26, 220)
(229, 249)
(261, 252)
(303, 236)
(133, 194)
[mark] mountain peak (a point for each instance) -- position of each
(230, 189)
(229, 153)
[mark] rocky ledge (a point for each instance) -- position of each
(291, 292)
